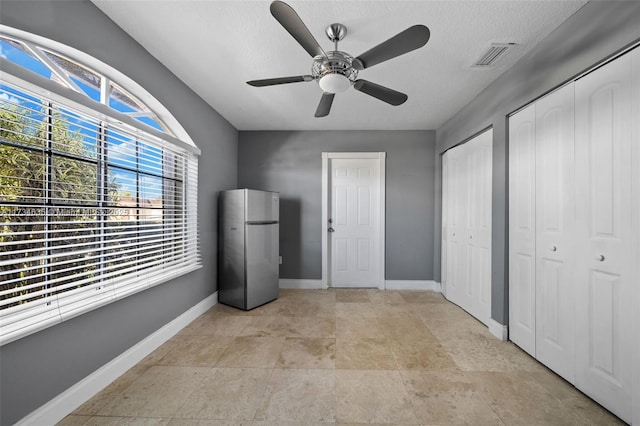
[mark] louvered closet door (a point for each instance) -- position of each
(555, 248)
(522, 241)
(606, 273)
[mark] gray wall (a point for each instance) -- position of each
(39, 367)
(291, 163)
(592, 34)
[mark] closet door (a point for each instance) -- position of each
(445, 223)
(478, 230)
(467, 231)
(466, 245)
(635, 216)
(554, 231)
(522, 241)
(465, 299)
(456, 253)
(604, 247)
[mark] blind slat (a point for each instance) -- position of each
(164, 251)
(94, 260)
(92, 210)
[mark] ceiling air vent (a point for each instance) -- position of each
(495, 52)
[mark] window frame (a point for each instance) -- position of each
(13, 75)
(109, 73)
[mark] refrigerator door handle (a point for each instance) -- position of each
(261, 222)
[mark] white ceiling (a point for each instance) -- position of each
(216, 46)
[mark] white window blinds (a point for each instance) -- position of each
(91, 210)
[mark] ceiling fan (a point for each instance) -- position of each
(336, 71)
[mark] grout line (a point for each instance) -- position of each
(263, 398)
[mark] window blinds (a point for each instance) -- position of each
(91, 210)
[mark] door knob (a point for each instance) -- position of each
(600, 258)
(331, 230)
(554, 248)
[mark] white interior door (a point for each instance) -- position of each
(466, 218)
(478, 219)
(444, 248)
(555, 235)
(522, 221)
(354, 222)
(455, 200)
(635, 216)
(604, 267)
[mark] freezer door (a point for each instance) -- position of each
(262, 268)
(231, 254)
(262, 206)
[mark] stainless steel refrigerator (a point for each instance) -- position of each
(248, 231)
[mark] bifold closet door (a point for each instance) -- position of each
(554, 231)
(447, 276)
(635, 218)
(455, 199)
(522, 229)
(478, 229)
(466, 234)
(574, 232)
(606, 272)
(541, 208)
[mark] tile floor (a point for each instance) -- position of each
(339, 357)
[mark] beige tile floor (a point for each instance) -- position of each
(339, 357)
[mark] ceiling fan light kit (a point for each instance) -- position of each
(336, 71)
(334, 83)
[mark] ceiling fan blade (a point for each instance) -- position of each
(325, 104)
(385, 94)
(410, 39)
(291, 22)
(279, 80)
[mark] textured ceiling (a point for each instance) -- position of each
(216, 46)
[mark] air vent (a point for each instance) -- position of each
(495, 52)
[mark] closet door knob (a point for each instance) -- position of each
(600, 258)
(554, 248)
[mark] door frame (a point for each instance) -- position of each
(326, 193)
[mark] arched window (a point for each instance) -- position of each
(98, 186)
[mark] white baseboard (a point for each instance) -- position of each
(64, 404)
(300, 284)
(413, 285)
(498, 330)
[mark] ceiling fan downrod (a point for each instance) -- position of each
(336, 32)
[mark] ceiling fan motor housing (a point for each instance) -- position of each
(334, 72)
